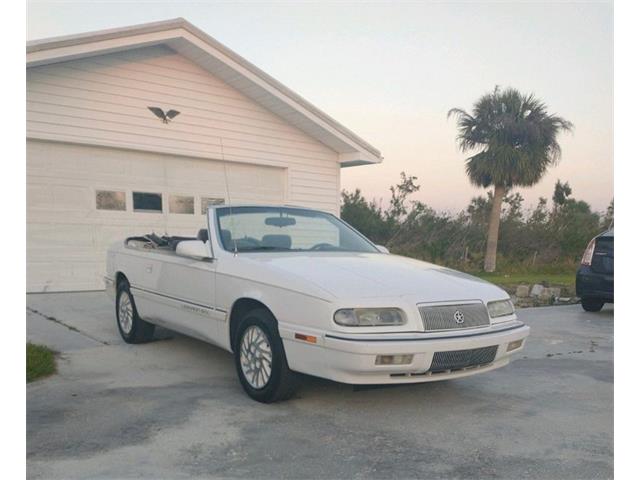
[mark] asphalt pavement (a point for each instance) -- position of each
(173, 408)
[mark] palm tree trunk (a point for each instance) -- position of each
(494, 226)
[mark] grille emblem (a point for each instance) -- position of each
(458, 316)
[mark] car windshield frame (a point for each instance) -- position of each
(224, 211)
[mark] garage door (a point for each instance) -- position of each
(80, 199)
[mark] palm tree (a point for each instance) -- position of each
(514, 140)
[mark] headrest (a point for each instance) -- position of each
(203, 235)
(277, 241)
(225, 235)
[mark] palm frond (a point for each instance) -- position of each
(513, 135)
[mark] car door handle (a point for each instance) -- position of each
(149, 268)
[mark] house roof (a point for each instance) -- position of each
(202, 49)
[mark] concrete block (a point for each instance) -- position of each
(555, 292)
(536, 290)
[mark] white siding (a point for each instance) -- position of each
(103, 101)
(67, 237)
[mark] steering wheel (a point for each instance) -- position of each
(323, 246)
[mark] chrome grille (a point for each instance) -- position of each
(457, 359)
(447, 317)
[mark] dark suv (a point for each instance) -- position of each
(594, 280)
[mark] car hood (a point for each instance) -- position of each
(367, 275)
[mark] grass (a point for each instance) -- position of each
(559, 279)
(41, 362)
(509, 281)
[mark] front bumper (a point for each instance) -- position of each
(351, 358)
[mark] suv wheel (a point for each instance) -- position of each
(592, 304)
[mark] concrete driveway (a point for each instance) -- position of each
(174, 409)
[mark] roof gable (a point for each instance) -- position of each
(196, 45)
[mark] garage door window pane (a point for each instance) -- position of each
(206, 201)
(110, 200)
(180, 204)
(147, 202)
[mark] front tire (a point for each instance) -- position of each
(131, 327)
(592, 304)
(260, 359)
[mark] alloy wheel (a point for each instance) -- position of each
(125, 313)
(256, 357)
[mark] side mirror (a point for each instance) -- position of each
(193, 249)
(382, 249)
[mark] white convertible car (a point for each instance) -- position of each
(292, 290)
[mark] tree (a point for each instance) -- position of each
(607, 219)
(573, 226)
(561, 193)
(376, 224)
(399, 193)
(515, 141)
(365, 216)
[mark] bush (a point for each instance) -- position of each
(551, 238)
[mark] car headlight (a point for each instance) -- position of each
(369, 317)
(501, 308)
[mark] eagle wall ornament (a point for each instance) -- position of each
(165, 117)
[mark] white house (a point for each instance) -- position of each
(101, 165)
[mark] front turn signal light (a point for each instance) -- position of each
(515, 344)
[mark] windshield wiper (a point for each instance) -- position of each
(262, 248)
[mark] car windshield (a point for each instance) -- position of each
(261, 229)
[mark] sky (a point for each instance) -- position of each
(390, 71)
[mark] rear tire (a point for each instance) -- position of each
(131, 327)
(592, 304)
(260, 359)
